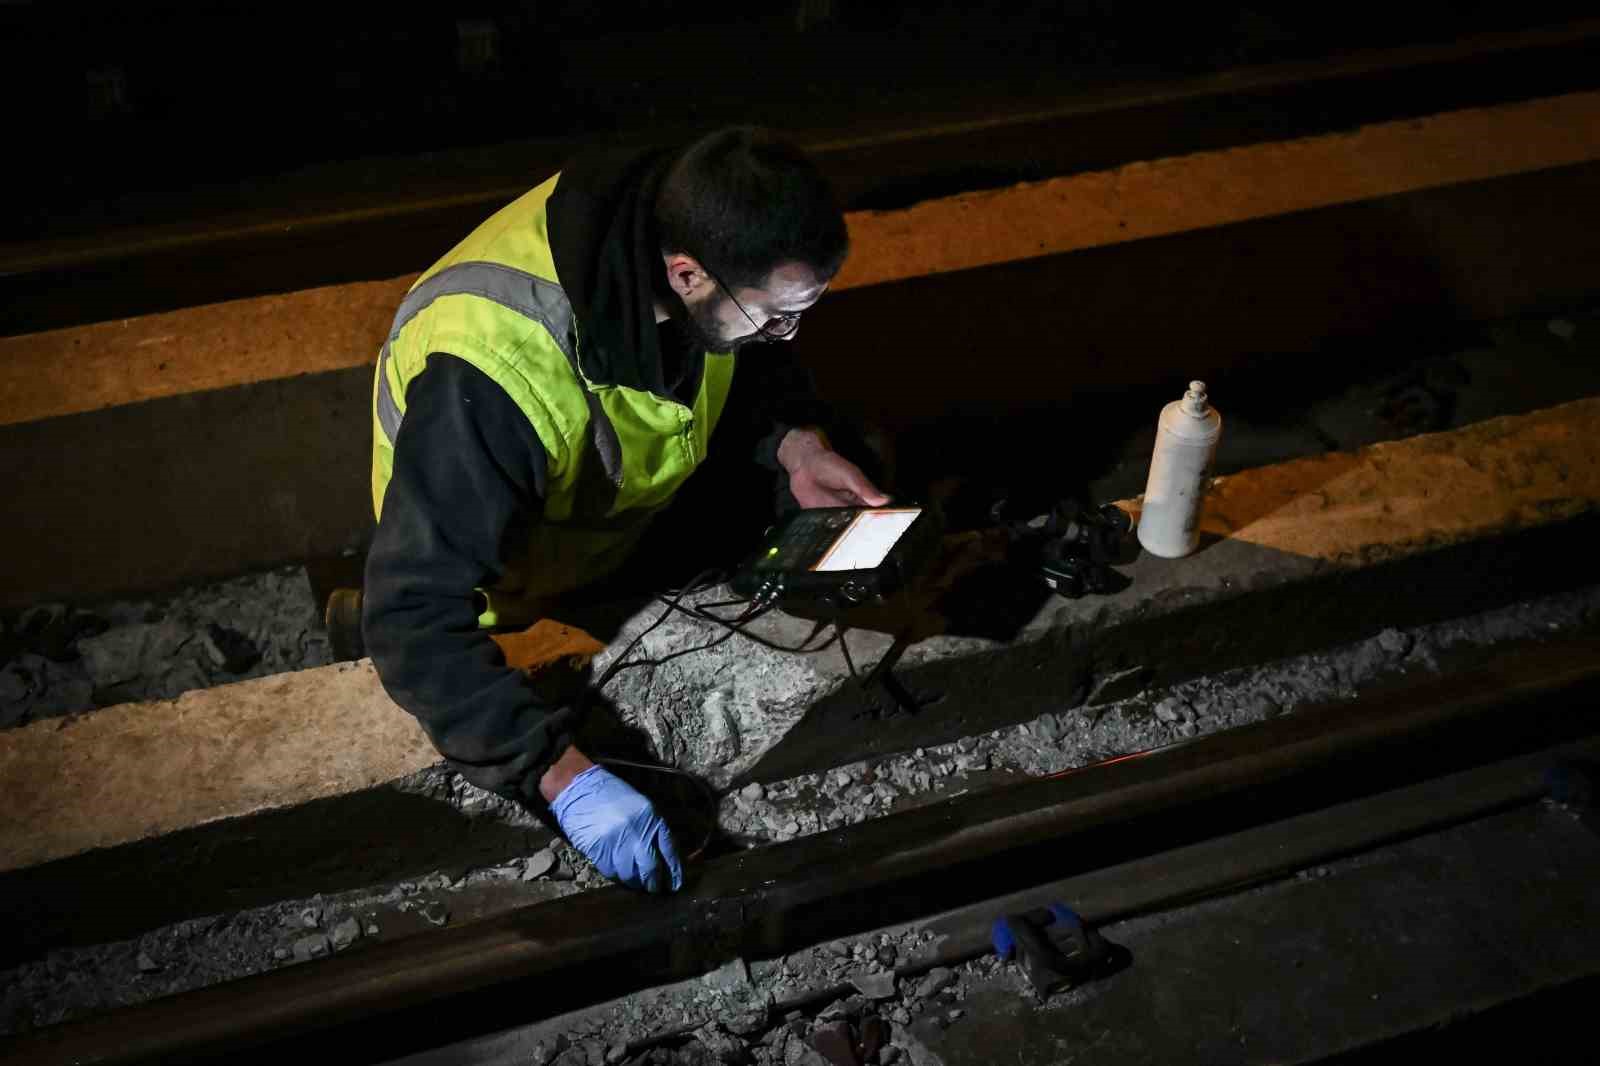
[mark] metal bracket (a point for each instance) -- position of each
(883, 674)
(1055, 948)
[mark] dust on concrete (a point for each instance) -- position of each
(710, 704)
(58, 659)
(1148, 719)
(71, 983)
(447, 786)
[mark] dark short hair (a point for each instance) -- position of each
(743, 200)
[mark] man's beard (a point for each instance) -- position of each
(704, 328)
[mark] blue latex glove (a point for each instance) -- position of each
(617, 829)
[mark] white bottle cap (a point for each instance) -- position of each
(1194, 401)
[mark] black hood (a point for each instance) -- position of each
(603, 239)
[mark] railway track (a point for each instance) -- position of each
(1133, 834)
(65, 280)
(1298, 248)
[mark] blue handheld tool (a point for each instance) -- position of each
(1055, 948)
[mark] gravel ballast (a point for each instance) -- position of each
(73, 982)
(60, 660)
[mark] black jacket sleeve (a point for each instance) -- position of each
(774, 393)
(469, 478)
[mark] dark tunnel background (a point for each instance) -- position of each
(124, 115)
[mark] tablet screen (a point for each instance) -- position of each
(866, 542)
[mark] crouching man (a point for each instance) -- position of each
(546, 389)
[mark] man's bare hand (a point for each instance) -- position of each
(821, 477)
(568, 765)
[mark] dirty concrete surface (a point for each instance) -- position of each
(73, 982)
(58, 658)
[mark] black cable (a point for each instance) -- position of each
(801, 649)
(755, 608)
(838, 629)
(732, 625)
(675, 655)
(616, 664)
(721, 603)
(709, 794)
(703, 612)
(621, 662)
(710, 576)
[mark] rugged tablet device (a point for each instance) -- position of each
(843, 555)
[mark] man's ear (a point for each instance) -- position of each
(685, 275)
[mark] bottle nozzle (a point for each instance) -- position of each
(1194, 401)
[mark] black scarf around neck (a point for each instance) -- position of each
(603, 239)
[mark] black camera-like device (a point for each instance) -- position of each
(844, 556)
(1074, 546)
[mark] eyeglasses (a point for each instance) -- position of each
(775, 328)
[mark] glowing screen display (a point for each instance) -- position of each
(866, 541)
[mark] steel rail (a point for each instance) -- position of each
(758, 903)
(1238, 861)
(1210, 868)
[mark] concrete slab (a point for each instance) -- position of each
(1298, 553)
(1400, 497)
(131, 360)
(148, 769)
(1205, 189)
(145, 770)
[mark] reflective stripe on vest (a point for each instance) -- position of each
(532, 297)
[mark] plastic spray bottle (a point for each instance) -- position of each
(1186, 442)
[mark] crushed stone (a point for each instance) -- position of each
(345, 933)
(312, 947)
(73, 982)
(58, 659)
(70, 983)
(445, 786)
(539, 863)
(1079, 736)
(667, 1026)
